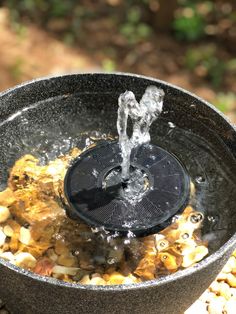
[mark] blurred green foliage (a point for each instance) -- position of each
(225, 102)
(16, 69)
(108, 65)
(191, 19)
(134, 19)
(207, 63)
(133, 29)
(205, 60)
(189, 24)
(67, 16)
(129, 23)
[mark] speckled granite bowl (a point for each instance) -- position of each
(92, 100)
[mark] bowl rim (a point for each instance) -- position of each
(228, 246)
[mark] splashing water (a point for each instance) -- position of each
(142, 115)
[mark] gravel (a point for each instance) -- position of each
(219, 298)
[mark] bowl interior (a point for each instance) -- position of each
(48, 117)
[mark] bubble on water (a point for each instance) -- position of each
(175, 218)
(104, 136)
(199, 179)
(95, 135)
(130, 234)
(111, 261)
(95, 173)
(212, 219)
(127, 224)
(196, 217)
(88, 142)
(58, 236)
(94, 230)
(185, 236)
(171, 125)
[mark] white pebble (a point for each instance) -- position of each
(85, 280)
(221, 276)
(207, 296)
(229, 265)
(8, 231)
(25, 236)
(197, 307)
(230, 307)
(96, 275)
(233, 293)
(224, 290)
(232, 262)
(25, 260)
(128, 280)
(7, 256)
(4, 214)
(97, 281)
(57, 269)
(216, 306)
(215, 287)
(2, 237)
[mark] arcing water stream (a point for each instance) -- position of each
(142, 114)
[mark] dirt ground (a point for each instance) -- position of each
(30, 52)
(24, 56)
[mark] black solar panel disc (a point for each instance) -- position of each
(96, 193)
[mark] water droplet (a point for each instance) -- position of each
(212, 219)
(196, 217)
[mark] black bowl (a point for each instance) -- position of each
(55, 108)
